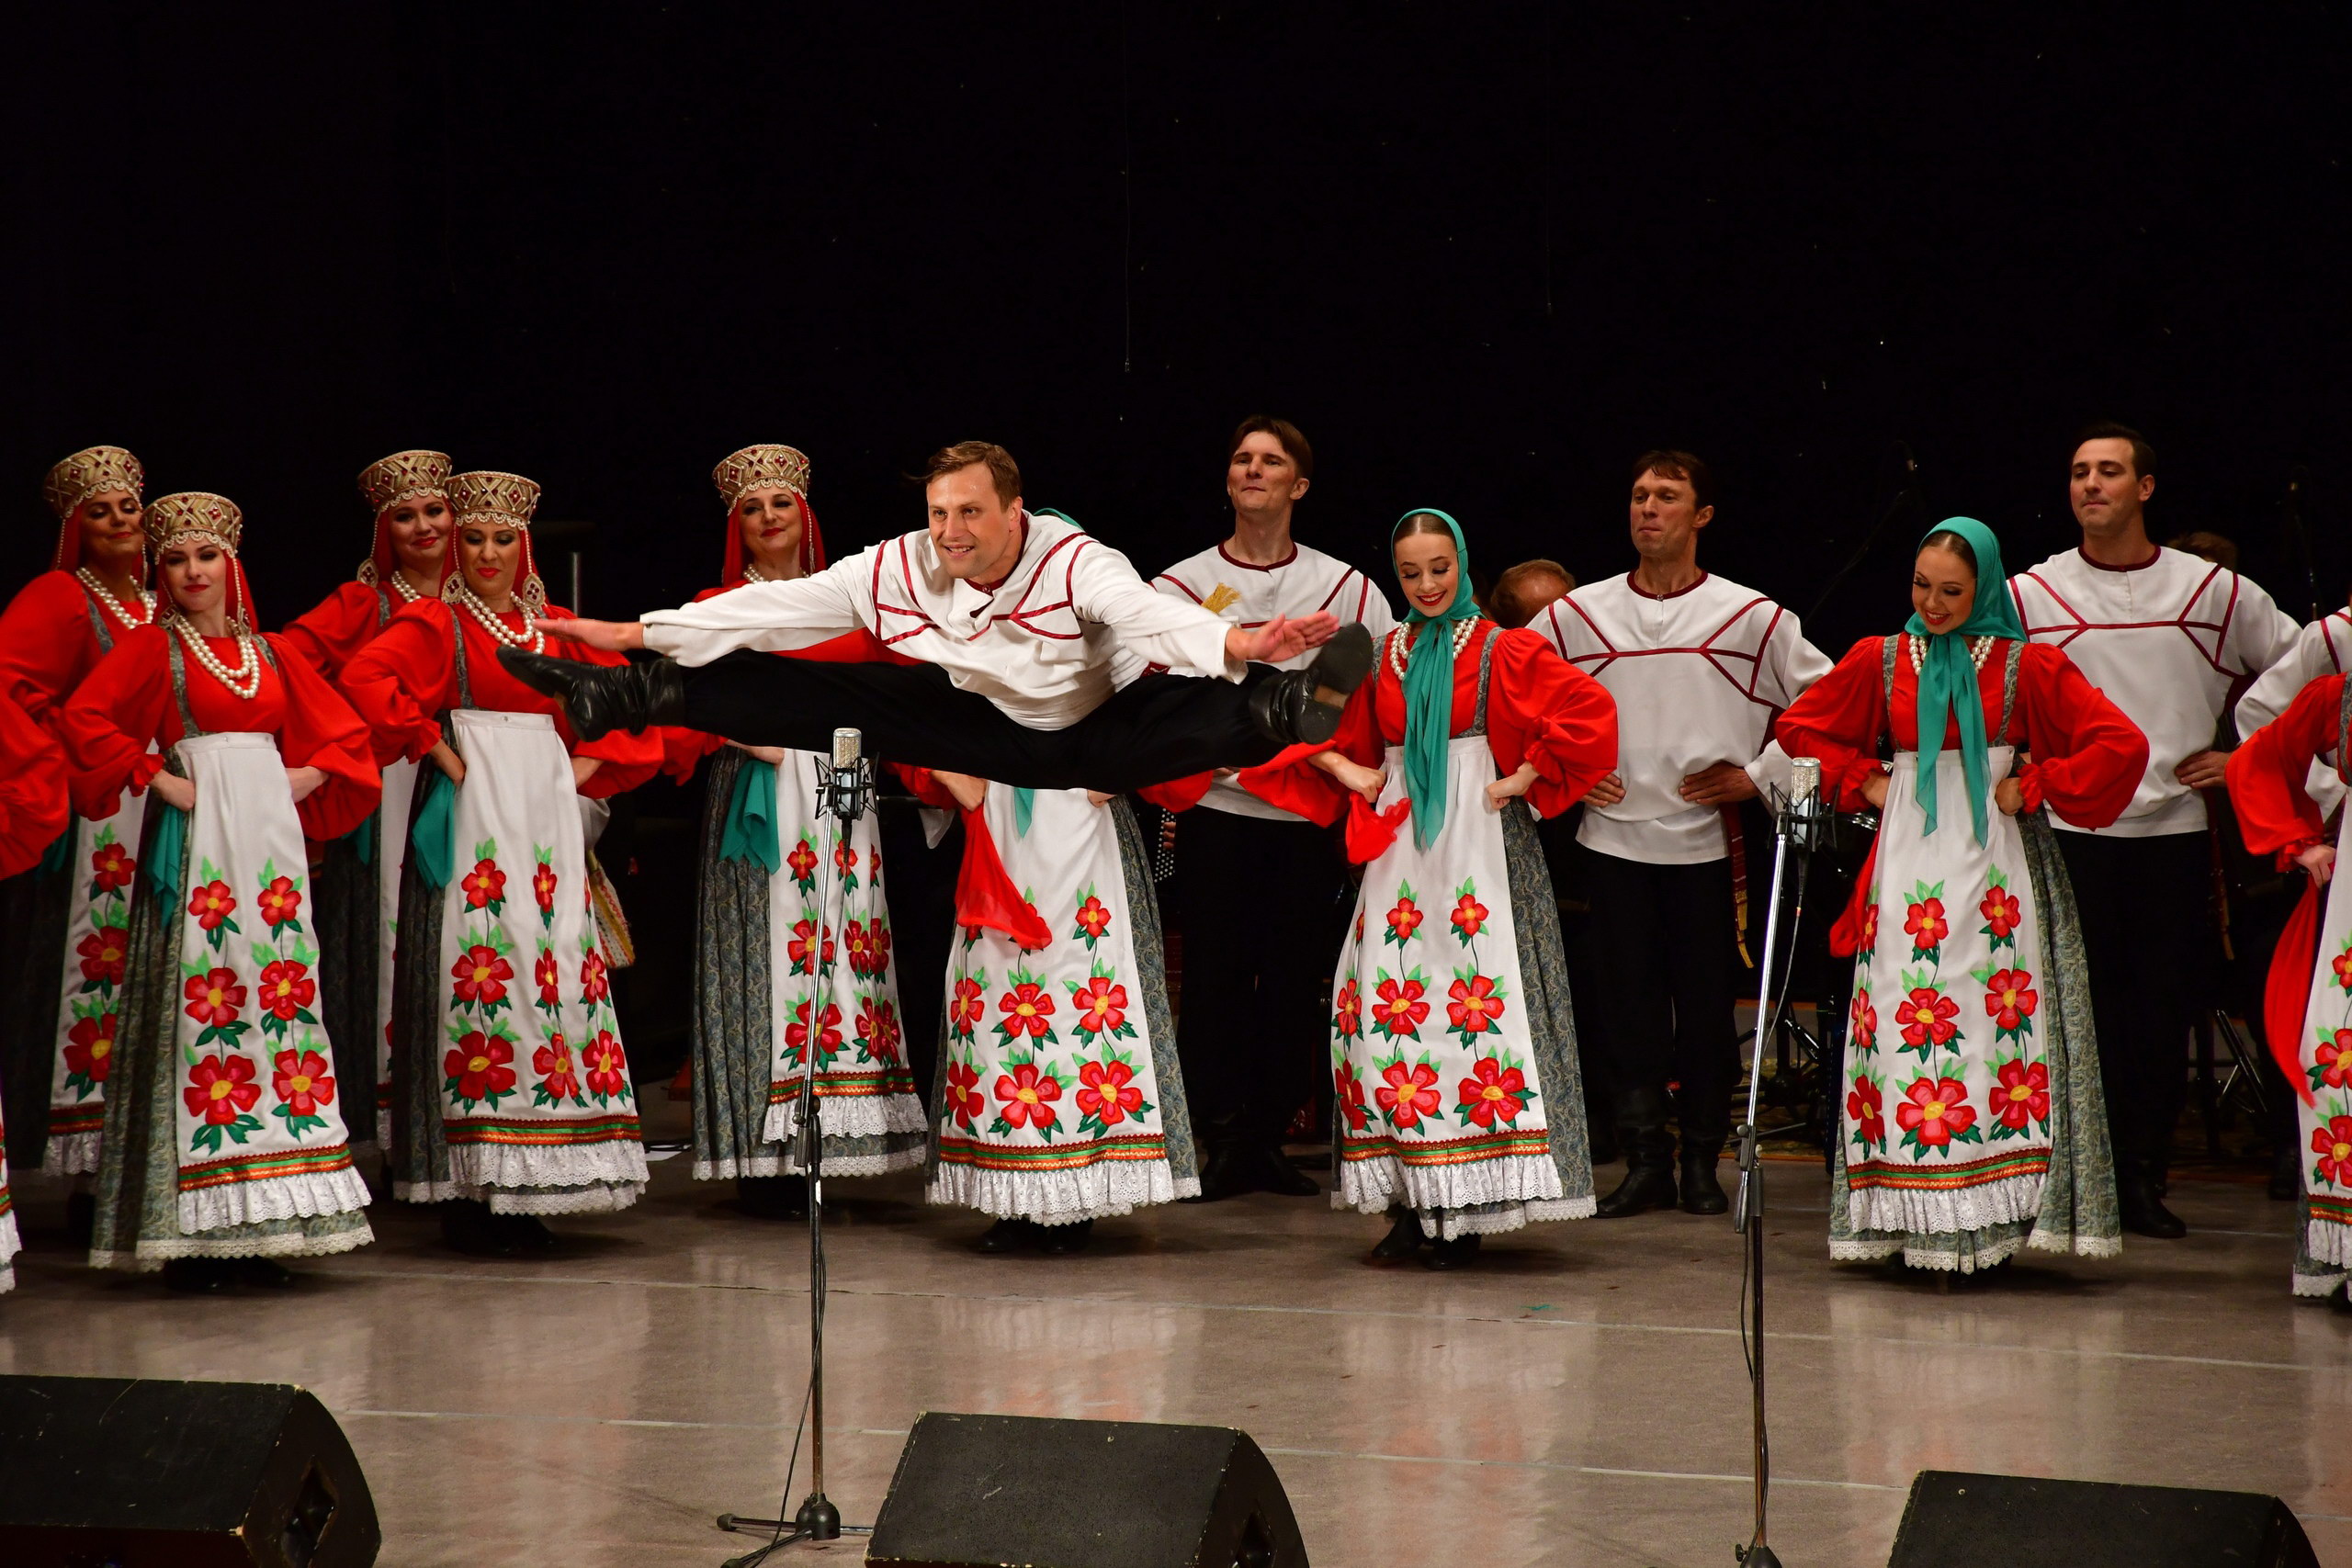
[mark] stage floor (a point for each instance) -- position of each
(1576, 1399)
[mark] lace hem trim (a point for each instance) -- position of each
(1097, 1191)
(497, 1169)
(2312, 1286)
(2328, 1242)
(7, 1278)
(595, 1200)
(2013, 1200)
(903, 1150)
(849, 1116)
(151, 1255)
(1374, 1186)
(1947, 1259)
(74, 1153)
(308, 1197)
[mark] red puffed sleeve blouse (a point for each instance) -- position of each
(339, 626)
(33, 803)
(125, 707)
(408, 673)
(2087, 758)
(1539, 710)
(49, 643)
(2267, 775)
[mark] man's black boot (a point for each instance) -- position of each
(1302, 706)
(600, 698)
(1271, 1171)
(1224, 1174)
(2143, 1212)
(1702, 1193)
(1649, 1173)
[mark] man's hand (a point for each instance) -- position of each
(1607, 790)
(2203, 769)
(1722, 784)
(584, 768)
(1280, 638)
(2319, 860)
(613, 636)
(968, 791)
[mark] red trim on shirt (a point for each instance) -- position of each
(2102, 566)
(1661, 598)
(1706, 650)
(2181, 623)
(1250, 566)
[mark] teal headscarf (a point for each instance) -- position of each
(1947, 675)
(1429, 686)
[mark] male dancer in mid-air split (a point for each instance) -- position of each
(1012, 619)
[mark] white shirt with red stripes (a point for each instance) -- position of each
(1248, 596)
(2165, 640)
(1041, 644)
(1698, 677)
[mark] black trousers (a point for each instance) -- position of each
(1259, 903)
(1664, 957)
(1160, 728)
(2150, 945)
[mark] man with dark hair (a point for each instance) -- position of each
(1526, 590)
(1700, 667)
(1254, 1038)
(1005, 625)
(2166, 636)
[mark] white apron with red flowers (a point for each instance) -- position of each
(1053, 1102)
(392, 855)
(97, 940)
(1439, 1103)
(843, 993)
(1947, 1123)
(537, 1106)
(2325, 1125)
(260, 1116)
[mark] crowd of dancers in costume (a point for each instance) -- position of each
(272, 895)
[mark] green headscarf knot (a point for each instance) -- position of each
(1429, 685)
(1947, 675)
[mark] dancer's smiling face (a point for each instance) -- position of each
(489, 554)
(195, 574)
(770, 518)
(975, 531)
(1427, 571)
(1943, 589)
(420, 532)
(114, 531)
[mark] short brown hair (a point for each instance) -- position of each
(1293, 440)
(1509, 604)
(1677, 465)
(964, 453)
(2143, 456)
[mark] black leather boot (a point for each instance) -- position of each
(1459, 1253)
(1224, 1174)
(1007, 1235)
(2143, 1212)
(1403, 1238)
(1302, 706)
(2285, 1174)
(1271, 1171)
(600, 698)
(1702, 1193)
(1649, 1157)
(1060, 1241)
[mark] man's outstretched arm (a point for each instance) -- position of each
(1177, 634)
(769, 617)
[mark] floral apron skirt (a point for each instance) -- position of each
(1060, 1096)
(89, 1004)
(2323, 1253)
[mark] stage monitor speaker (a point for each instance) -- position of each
(121, 1473)
(998, 1490)
(1958, 1520)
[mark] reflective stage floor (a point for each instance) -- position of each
(1577, 1398)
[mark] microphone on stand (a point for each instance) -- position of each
(849, 786)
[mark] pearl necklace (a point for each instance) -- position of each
(400, 586)
(99, 592)
(1397, 651)
(1978, 647)
(463, 591)
(244, 681)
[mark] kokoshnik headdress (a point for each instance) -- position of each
(93, 470)
(197, 516)
(384, 484)
(766, 467)
(486, 495)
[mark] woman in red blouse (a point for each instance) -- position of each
(1460, 1105)
(224, 1144)
(2307, 1005)
(1974, 1118)
(54, 633)
(511, 1095)
(358, 878)
(33, 813)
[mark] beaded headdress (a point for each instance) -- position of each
(766, 466)
(384, 484)
(192, 516)
(485, 495)
(91, 471)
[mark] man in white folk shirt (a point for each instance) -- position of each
(1700, 667)
(1254, 1038)
(2166, 636)
(1015, 625)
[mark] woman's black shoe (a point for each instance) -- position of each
(522, 1234)
(1403, 1240)
(1007, 1235)
(1060, 1241)
(1455, 1254)
(266, 1272)
(199, 1276)
(468, 1226)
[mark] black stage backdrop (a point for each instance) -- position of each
(1483, 256)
